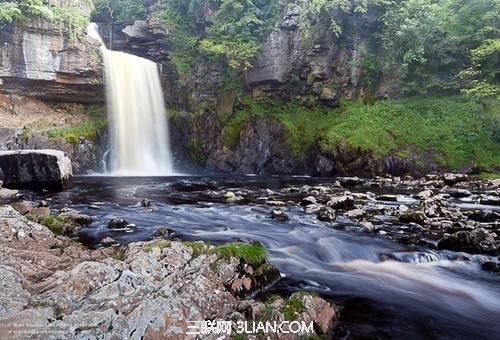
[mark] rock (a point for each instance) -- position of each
(229, 195)
(451, 179)
(490, 200)
(279, 214)
(308, 200)
(81, 219)
(424, 194)
(163, 232)
(117, 223)
(485, 215)
(327, 214)
(108, 242)
(35, 169)
(22, 207)
(145, 202)
(39, 61)
(413, 216)
(460, 241)
(458, 192)
(355, 214)
(493, 267)
(341, 202)
(348, 182)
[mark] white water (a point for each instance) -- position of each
(138, 126)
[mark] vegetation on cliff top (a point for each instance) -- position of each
(67, 15)
(454, 130)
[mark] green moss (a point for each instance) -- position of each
(196, 150)
(160, 244)
(254, 254)
(58, 225)
(197, 247)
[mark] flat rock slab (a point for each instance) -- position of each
(35, 169)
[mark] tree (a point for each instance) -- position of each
(119, 12)
(482, 79)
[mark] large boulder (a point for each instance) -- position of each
(35, 169)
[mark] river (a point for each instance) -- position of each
(426, 294)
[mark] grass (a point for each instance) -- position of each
(455, 130)
(254, 253)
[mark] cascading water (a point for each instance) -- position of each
(138, 126)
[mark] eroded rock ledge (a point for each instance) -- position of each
(55, 288)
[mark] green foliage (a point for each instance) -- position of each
(254, 254)
(87, 129)
(9, 11)
(119, 12)
(119, 254)
(232, 37)
(458, 130)
(424, 44)
(69, 17)
(482, 78)
(292, 308)
(319, 15)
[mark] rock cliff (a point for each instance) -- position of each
(38, 61)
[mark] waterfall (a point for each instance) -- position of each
(138, 125)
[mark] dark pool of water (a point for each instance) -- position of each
(428, 295)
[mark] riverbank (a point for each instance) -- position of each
(53, 287)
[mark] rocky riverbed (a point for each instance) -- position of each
(381, 252)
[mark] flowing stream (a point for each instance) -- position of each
(138, 126)
(422, 294)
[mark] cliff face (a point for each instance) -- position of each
(37, 61)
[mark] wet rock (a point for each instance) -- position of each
(490, 200)
(341, 202)
(327, 214)
(276, 203)
(413, 216)
(108, 242)
(387, 198)
(117, 223)
(249, 279)
(81, 219)
(458, 192)
(308, 200)
(355, 214)
(348, 182)
(424, 194)
(163, 232)
(486, 215)
(491, 266)
(145, 202)
(460, 241)
(279, 214)
(451, 179)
